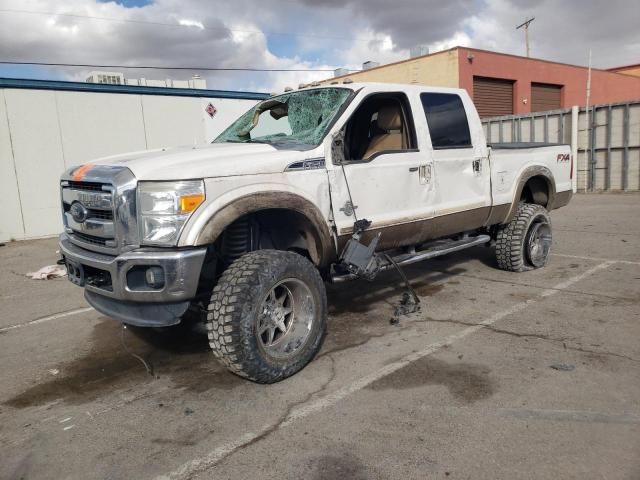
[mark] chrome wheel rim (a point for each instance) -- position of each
(539, 243)
(285, 318)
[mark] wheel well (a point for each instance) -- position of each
(276, 228)
(536, 191)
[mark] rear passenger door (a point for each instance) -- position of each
(461, 168)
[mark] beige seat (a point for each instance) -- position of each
(390, 122)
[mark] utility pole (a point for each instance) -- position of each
(525, 25)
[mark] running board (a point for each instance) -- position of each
(437, 249)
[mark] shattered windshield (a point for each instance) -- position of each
(294, 120)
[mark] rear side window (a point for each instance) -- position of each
(447, 120)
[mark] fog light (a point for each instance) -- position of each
(154, 277)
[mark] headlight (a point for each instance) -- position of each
(164, 207)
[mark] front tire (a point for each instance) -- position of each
(267, 316)
(524, 243)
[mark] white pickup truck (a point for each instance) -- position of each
(311, 186)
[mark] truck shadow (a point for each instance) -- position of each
(181, 354)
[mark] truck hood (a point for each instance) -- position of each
(205, 161)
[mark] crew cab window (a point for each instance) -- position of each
(382, 123)
(447, 120)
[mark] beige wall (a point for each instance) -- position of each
(438, 70)
(634, 70)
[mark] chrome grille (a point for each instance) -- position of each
(95, 226)
(89, 239)
(95, 186)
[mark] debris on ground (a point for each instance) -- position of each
(406, 306)
(563, 367)
(48, 272)
(54, 371)
(188, 411)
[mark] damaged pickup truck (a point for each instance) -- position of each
(316, 185)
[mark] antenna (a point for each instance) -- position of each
(525, 25)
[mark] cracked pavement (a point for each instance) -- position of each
(463, 389)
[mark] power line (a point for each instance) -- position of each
(149, 67)
(191, 24)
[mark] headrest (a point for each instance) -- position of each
(389, 118)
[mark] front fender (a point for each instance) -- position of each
(207, 226)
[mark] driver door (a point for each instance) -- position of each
(377, 173)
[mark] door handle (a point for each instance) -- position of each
(425, 174)
(477, 165)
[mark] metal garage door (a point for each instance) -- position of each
(493, 96)
(545, 97)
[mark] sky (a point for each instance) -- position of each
(299, 34)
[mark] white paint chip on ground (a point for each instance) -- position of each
(66, 420)
(201, 464)
(68, 428)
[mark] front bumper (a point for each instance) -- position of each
(114, 285)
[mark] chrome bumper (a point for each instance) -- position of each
(181, 272)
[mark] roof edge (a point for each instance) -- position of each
(60, 85)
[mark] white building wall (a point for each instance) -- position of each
(161, 121)
(11, 211)
(44, 132)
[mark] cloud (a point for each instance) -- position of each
(322, 34)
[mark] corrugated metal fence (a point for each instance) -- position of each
(608, 141)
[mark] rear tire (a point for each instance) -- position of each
(267, 316)
(524, 243)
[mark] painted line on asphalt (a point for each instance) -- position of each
(580, 416)
(46, 319)
(201, 464)
(595, 259)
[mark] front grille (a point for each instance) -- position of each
(93, 186)
(90, 239)
(96, 226)
(101, 214)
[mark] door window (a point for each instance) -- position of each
(447, 120)
(382, 123)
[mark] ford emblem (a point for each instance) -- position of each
(79, 212)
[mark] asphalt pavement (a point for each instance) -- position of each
(499, 376)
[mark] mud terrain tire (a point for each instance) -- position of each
(247, 300)
(524, 243)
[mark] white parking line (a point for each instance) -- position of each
(595, 259)
(201, 464)
(46, 319)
